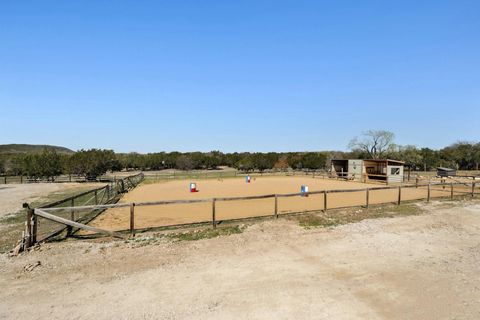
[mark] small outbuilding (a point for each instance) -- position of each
(446, 172)
(387, 170)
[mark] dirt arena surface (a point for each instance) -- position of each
(415, 267)
(163, 215)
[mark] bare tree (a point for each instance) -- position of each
(373, 142)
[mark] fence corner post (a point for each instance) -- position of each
(34, 227)
(28, 228)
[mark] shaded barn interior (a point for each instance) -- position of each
(387, 170)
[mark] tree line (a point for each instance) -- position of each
(94, 162)
(461, 155)
(48, 163)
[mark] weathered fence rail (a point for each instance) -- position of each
(9, 179)
(91, 202)
(47, 212)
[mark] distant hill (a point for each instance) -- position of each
(30, 148)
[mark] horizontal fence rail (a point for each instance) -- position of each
(56, 179)
(43, 226)
(178, 174)
(47, 212)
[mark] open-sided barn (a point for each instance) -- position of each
(387, 170)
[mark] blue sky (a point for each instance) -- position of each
(238, 75)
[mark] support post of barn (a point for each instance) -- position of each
(325, 201)
(276, 206)
(214, 222)
(399, 195)
(132, 220)
(367, 198)
(428, 192)
(451, 191)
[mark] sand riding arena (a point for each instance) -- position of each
(159, 204)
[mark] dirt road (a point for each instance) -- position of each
(12, 196)
(415, 267)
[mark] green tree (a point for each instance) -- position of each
(49, 163)
(184, 162)
(245, 163)
(313, 160)
(93, 163)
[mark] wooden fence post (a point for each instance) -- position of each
(34, 227)
(276, 206)
(473, 189)
(28, 235)
(132, 219)
(399, 195)
(367, 198)
(72, 216)
(21, 179)
(96, 197)
(451, 190)
(5, 178)
(325, 201)
(428, 192)
(416, 182)
(214, 222)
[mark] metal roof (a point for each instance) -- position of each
(384, 160)
(372, 160)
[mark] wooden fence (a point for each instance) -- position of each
(48, 213)
(40, 228)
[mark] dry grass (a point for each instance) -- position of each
(339, 217)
